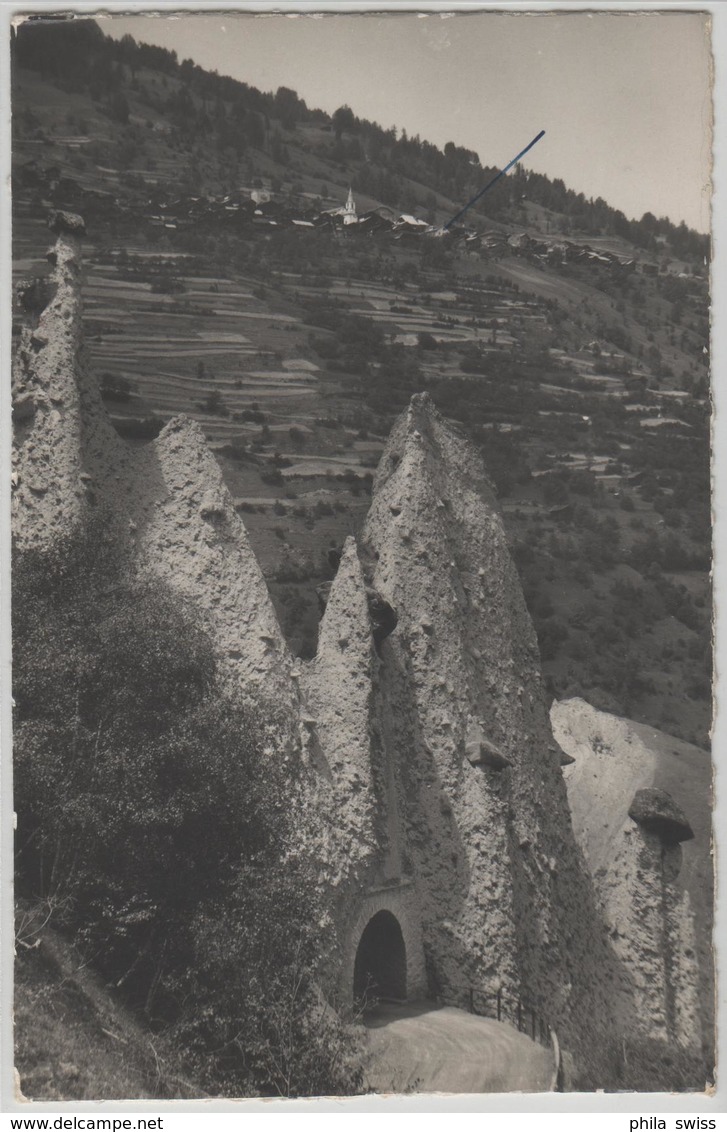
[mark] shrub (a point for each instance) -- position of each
(154, 819)
(167, 285)
(214, 403)
(251, 414)
(235, 450)
(254, 964)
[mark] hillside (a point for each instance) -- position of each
(75, 1040)
(568, 341)
(231, 832)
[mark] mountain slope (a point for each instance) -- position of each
(569, 342)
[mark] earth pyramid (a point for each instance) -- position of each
(429, 786)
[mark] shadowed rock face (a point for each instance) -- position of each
(423, 769)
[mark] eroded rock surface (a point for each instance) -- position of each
(337, 690)
(631, 832)
(483, 810)
(61, 430)
(167, 501)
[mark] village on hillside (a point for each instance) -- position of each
(291, 326)
(261, 207)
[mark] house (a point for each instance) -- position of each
(408, 227)
(374, 221)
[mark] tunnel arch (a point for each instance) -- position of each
(401, 901)
(379, 970)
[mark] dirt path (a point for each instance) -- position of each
(423, 1048)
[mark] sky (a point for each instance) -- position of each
(624, 98)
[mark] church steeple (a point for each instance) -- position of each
(349, 212)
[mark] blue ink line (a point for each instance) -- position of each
(497, 176)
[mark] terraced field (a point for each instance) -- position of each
(238, 350)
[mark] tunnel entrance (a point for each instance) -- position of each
(380, 968)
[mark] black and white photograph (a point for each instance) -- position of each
(362, 611)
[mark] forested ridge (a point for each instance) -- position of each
(383, 161)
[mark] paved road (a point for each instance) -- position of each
(421, 1047)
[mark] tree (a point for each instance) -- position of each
(288, 107)
(214, 403)
(343, 120)
(154, 821)
(254, 963)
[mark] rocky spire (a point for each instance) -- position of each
(651, 928)
(186, 531)
(507, 902)
(167, 501)
(631, 835)
(338, 694)
(65, 448)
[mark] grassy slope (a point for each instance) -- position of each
(73, 1040)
